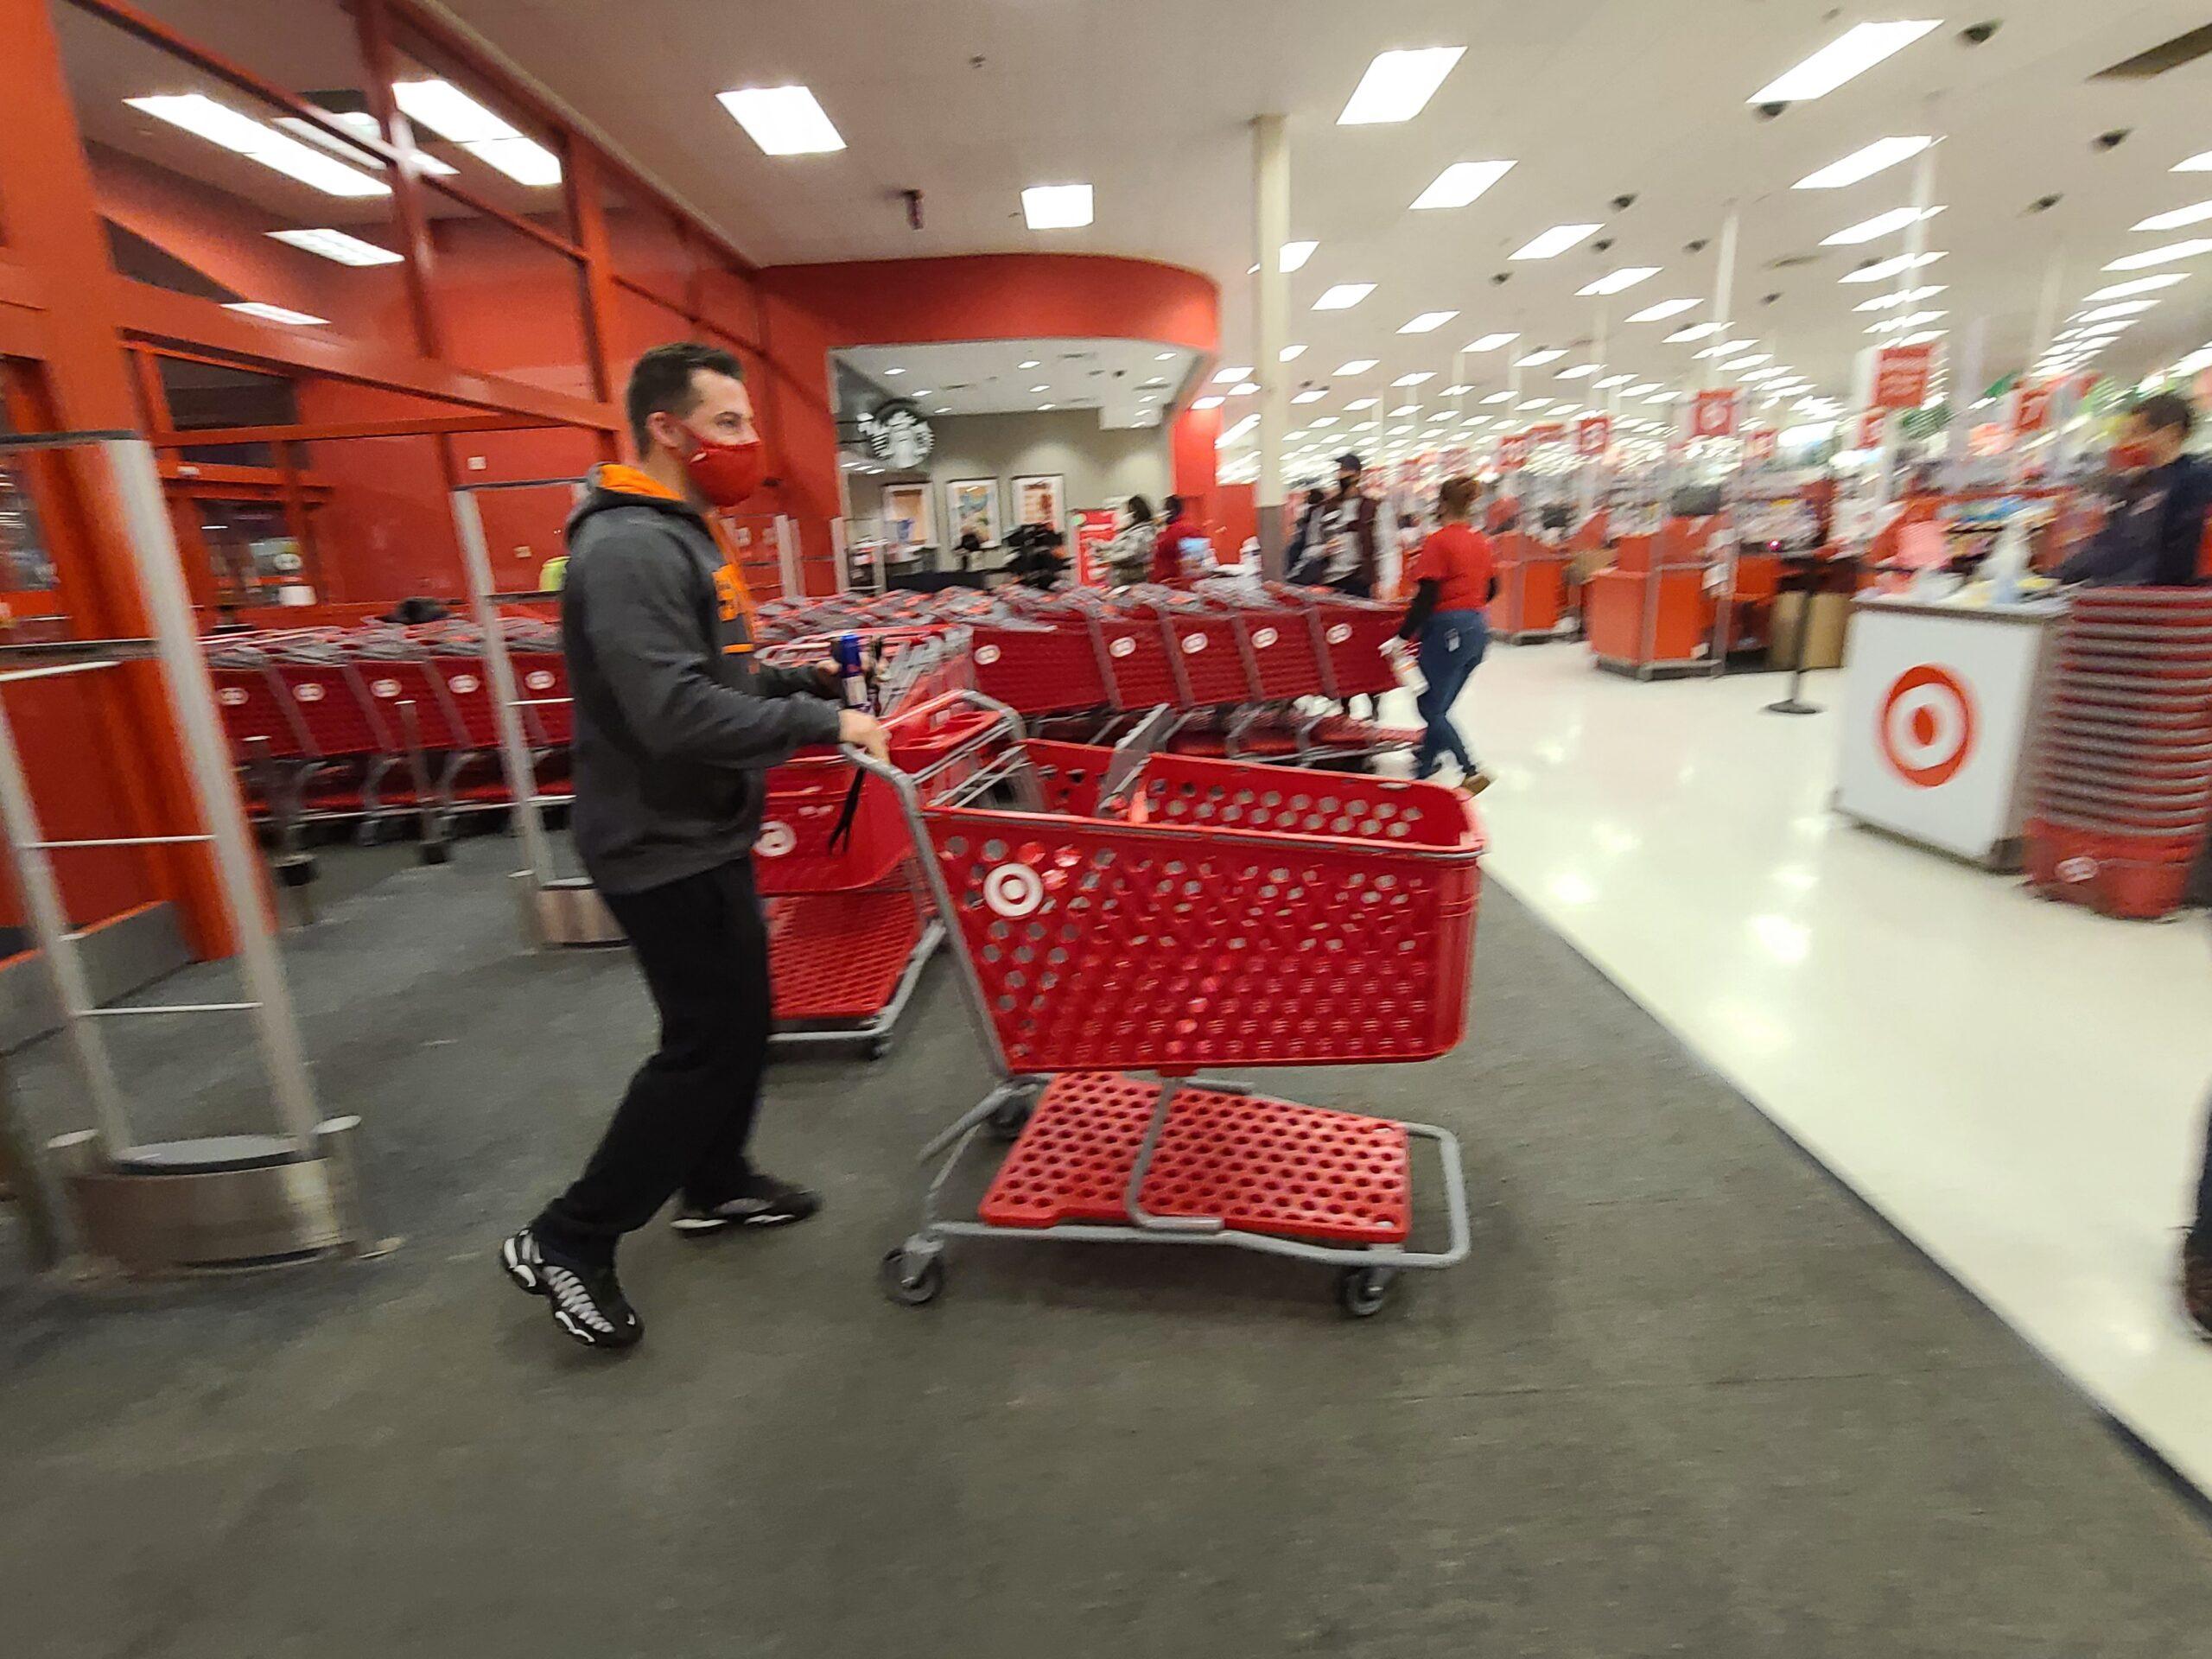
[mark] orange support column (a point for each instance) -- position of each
(54, 229)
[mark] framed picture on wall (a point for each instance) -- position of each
(972, 503)
(1041, 499)
(906, 514)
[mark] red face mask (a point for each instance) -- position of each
(2130, 457)
(724, 473)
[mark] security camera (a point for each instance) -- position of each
(1502, 279)
(1770, 298)
(2044, 204)
(1118, 373)
(1624, 202)
(1698, 246)
(2112, 140)
(1978, 34)
(1768, 112)
(1603, 245)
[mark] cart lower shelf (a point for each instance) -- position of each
(840, 956)
(1258, 1164)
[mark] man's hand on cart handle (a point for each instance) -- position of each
(864, 732)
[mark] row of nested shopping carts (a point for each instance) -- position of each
(2123, 783)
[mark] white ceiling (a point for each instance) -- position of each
(1127, 381)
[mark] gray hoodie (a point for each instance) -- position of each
(675, 720)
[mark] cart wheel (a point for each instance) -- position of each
(910, 1283)
(1006, 1122)
(879, 1046)
(1362, 1292)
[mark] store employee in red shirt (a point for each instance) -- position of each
(1452, 582)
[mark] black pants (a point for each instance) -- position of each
(683, 1126)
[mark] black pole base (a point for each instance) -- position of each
(1792, 706)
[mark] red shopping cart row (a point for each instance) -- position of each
(2124, 773)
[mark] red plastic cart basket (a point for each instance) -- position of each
(1168, 914)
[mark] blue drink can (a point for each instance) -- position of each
(851, 656)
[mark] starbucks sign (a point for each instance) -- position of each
(897, 436)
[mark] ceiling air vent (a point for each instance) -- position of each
(2168, 54)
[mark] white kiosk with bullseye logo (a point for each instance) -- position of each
(1939, 716)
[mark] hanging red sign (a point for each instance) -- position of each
(1902, 374)
(1593, 435)
(1869, 435)
(1513, 450)
(1759, 443)
(1714, 413)
(1548, 432)
(1094, 528)
(2031, 408)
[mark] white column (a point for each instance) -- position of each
(1271, 309)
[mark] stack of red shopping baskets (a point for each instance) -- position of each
(2124, 788)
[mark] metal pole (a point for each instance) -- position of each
(787, 559)
(1916, 244)
(514, 746)
(1271, 308)
(837, 555)
(191, 697)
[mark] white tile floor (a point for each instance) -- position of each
(2017, 1085)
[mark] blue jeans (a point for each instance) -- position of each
(1452, 644)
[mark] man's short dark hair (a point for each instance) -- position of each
(2164, 411)
(660, 383)
(1349, 463)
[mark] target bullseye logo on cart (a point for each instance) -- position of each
(1263, 637)
(539, 679)
(230, 697)
(1193, 644)
(2075, 871)
(385, 688)
(1927, 726)
(1339, 633)
(987, 655)
(1013, 891)
(307, 693)
(465, 683)
(776, 840)
(1124, 647)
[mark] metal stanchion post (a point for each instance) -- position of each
(1791, 704)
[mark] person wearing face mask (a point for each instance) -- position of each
(1340, 534)
(675, 723)
(1128, 556)
(2155, 535)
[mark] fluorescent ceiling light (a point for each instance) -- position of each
(1026, 363)
(1344, 297)
(782, 120)
(1428, 322)
(1461, 182)
(1455, 392)
(1903, 297)
(1882, 270)
(1614, 281)
(2125, 309)
(1537, 360)
(1363, 402)
(1293, 255)
(1492, 342)
(2192, 249)
(1243, 389)
(2201, 162)
(1535, 403)
(1663, 397)
(1720, 351)
(1241, 372)
(1497, 397)
(2140, 285)
(272, 313)
(1580, 372)
(1851, 55)
(1747, 362)
(1397, 85)
(1640, 390)
(1695, 331)
(1415, 379)
(243, 135)
(460, 120)
(2197, 213)
(1032, 388)
(1290, 353)
(1927, 338)
(1664, 309)
(1556, 241)
(1236, 431)
(1611, 381)
(1208, 402)
(1325, 420)
(361, 122)
(1026, 366)
(1881, 225)
(1056, 207)
(1309, 398)
(1163, 357)
(1356, 365)
(336, 245)
(1404, 408)
(1882, 153)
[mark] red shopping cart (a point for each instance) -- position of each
(1121, 910)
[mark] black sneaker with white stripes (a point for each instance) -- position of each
(763, 1202)
(585, 1302)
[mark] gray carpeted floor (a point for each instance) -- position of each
(1687, 1398)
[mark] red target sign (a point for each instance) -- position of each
(1927, 726)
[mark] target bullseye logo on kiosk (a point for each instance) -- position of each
(776, 840)
(1013, 891)
(2075, 871)
(1927, 726)
(987, 655)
